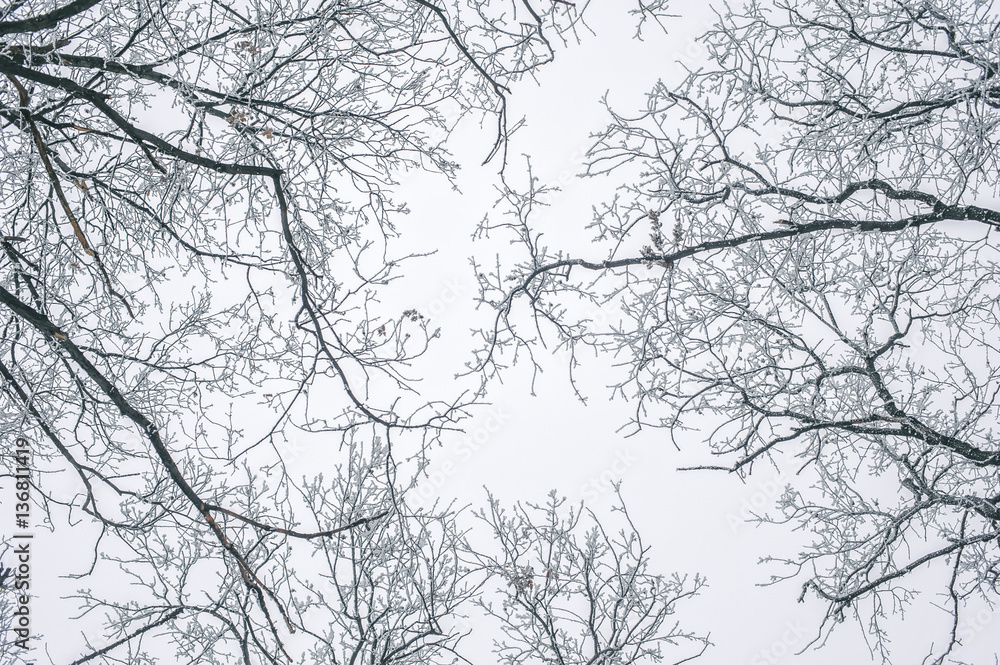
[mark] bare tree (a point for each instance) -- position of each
(385, 590)
(578, 595)
(802, 271)
(198, 225)
(198, 222)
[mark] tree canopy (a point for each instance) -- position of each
(802, 262)
(198, 218)
(202, 216)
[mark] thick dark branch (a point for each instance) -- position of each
(43, 153)
(12, 384)
(874, 184)
(170, 616)
(851, 596)
(308, 305)
(140, 137)
(42, 323)
(499, 89)
(49, 20)
(957, 213)
(361, 521)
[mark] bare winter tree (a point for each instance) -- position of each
(802, 270)
(197, 225)
(578, 595)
